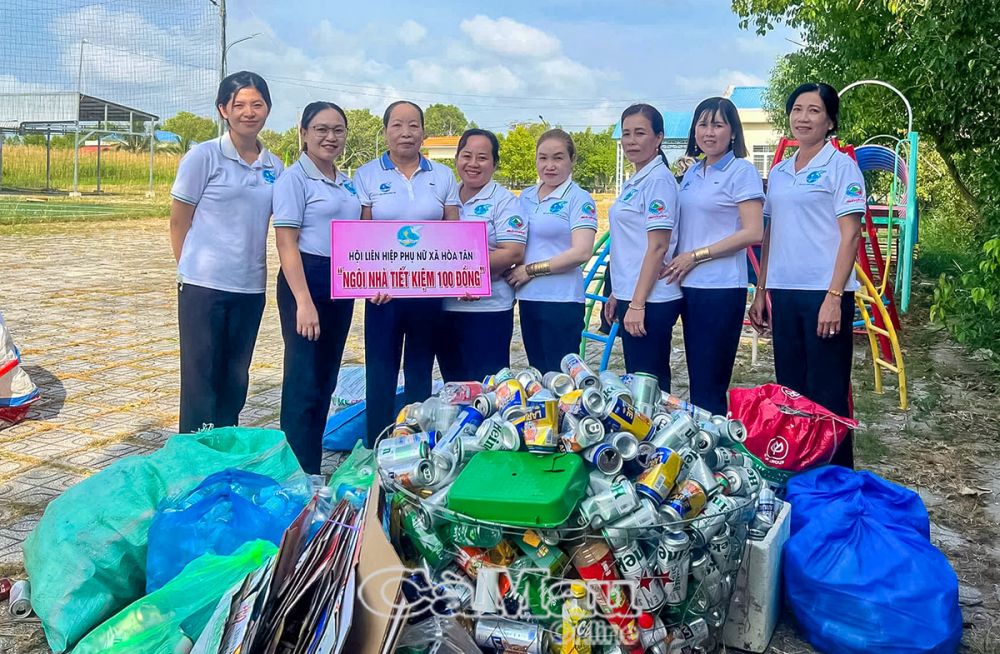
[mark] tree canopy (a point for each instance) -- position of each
(191, 128)
(444, 120)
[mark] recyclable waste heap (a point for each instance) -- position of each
(570, 512)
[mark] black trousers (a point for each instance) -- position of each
(712, 321)
(819, 368)
(650, 353)
(311, 367)
(414, 321)
(474, 344)
(218, 330)
(550, 331)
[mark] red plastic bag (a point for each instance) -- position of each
(785, 429)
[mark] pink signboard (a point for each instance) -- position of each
(419, 259)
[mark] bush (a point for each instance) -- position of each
(968, 303)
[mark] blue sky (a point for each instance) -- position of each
(574, 62)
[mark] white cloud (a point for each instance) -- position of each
(507, 37)
(712, 85)
(411, 32)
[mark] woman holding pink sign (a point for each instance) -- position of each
(310, 194)
(402, 184)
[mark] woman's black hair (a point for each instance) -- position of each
(829, 96)
(494, 143)
(725, 108)
(388, 111)
(655, 118)
(233, 84)
(562, 135)
(314, 108)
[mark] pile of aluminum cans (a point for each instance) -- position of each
(657, 540)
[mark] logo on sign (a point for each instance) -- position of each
(481, 209)
(269, 176)
(814, 176)
(853, 191)
(516, 222)
(657, 207)
(385, 187)
(350, 188)
(408, 235)
(557, 206)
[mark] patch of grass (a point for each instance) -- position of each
(121, 171)
(24, 210)
(868, 447)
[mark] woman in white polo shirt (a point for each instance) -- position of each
(310, 194)
(476, 335)
(562, 222)
(218, 231)
(815, 203)
(643, 236)
(721, 201)
(401, 185)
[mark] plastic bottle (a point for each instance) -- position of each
(576, 621)
(460, 392)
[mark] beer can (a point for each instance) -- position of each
(602, 508)
(571, 404)
(611, 383)
(578, 369)
(709, 578)
(603, 457)
(540, 437)
(712, 520)
(586, 432)
(725, 457)
(543, 555)
(675, 403)
(600, 482)
(646, 455)
(414, 476)
(632, 526)
(685, 503)
(592, 403)
(533, 388)
(399, 451)
(694, 632)
(503, 375)
(743, 481)
(648, 593)
(719, 547)
(625, 443)
(558, 382)
(405, 429)
(543, 410)
(672, 564)
(730, 428)
(767, 503)
(517, 416)
(471, 560)
(678, 433)
(658, 479)
(618, 415)
(424, 538)
(527, 375)
(497, 434)
(506, 635)
(465, 425)
(645, 389)
(705, 440)
(510, 394)
(486, 403)
(660, 420)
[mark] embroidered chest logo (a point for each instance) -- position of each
(269, 175)
(628, 196)
(385, 188)
(814, 176)
(557, 206)
(482, 209)
(350, 188)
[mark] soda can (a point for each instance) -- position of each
(486, 403)
(645, 389)
(465, 425)
(578, 369)
(414, 476)
(685, 503)
(719, 547)
(673, 561)
(730, 428)
(604, 457)
(625, 443)
(621, 416)
(510, 394)
(558, 382)
(586, 432)
(497, 434)
(705, 440)
(610, 505)
(540, 437)
(506, 635)
(648, 593)
(678, 433)
(657, 480)
(767, 504)
(675, 403)
(743, 481)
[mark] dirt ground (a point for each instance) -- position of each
(92, 306)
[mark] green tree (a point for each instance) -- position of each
(284, 144)
(595, 160)
(517, 156)
(191, 128)
(444, 120)
(364, 138)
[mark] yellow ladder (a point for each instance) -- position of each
(869, 301)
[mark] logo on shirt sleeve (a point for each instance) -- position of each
(516, 222)
(853, 190)
(269, 175)
(385, 187)
(814, 176)
(589, 209)
(481, 209)
(557, 206)
(657, 207)
(350, 188)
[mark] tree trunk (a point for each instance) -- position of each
(963, 189)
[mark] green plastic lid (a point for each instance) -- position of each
(520, 488)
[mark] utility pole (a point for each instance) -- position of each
(221, 4)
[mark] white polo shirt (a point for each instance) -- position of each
(804, 209)
(306, 199)
(648, 202)
(226, 247)
(392, 196)
(709, 199)
(500, 209)
(551, 223)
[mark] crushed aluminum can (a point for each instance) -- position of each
(510, 394)
(602, 508)
(646, 455)
(618, 415)
(586, 431)
(678, 433)
(604, 457)
(571, 405)
(658, 479)
(632, 526)
(540, 437)
(497, 434)
(686, 502)
(581, 373)
(673, 561)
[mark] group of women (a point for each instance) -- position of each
(677, 250)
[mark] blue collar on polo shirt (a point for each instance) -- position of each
(645, 170)
(229, 151)
(313, 172)
(425, 164)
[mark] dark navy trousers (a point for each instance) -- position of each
(819, 368)
(409, 322)
(712, 320)
(218, 330)
(650, 353)
(550, 331)
(474, 344)
(311, 367)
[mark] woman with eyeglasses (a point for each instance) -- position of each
(310, 194)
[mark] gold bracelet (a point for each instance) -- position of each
(642, 308)
(835, 293)
(702, 254)
(538, 268)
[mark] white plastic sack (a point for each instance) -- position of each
(16, 389)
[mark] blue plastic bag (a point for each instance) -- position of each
(225, 511)
(860, 578)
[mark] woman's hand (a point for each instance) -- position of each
(828, 324)
(469, 298)
(611, 309)
(307, 321)
(678, 267)
(758, 312)
(517, 276)
(635, 322)
(380, 298)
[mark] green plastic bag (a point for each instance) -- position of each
(179, 610)
(356, 471)
(86, 558)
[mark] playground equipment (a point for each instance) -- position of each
(593, 282)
